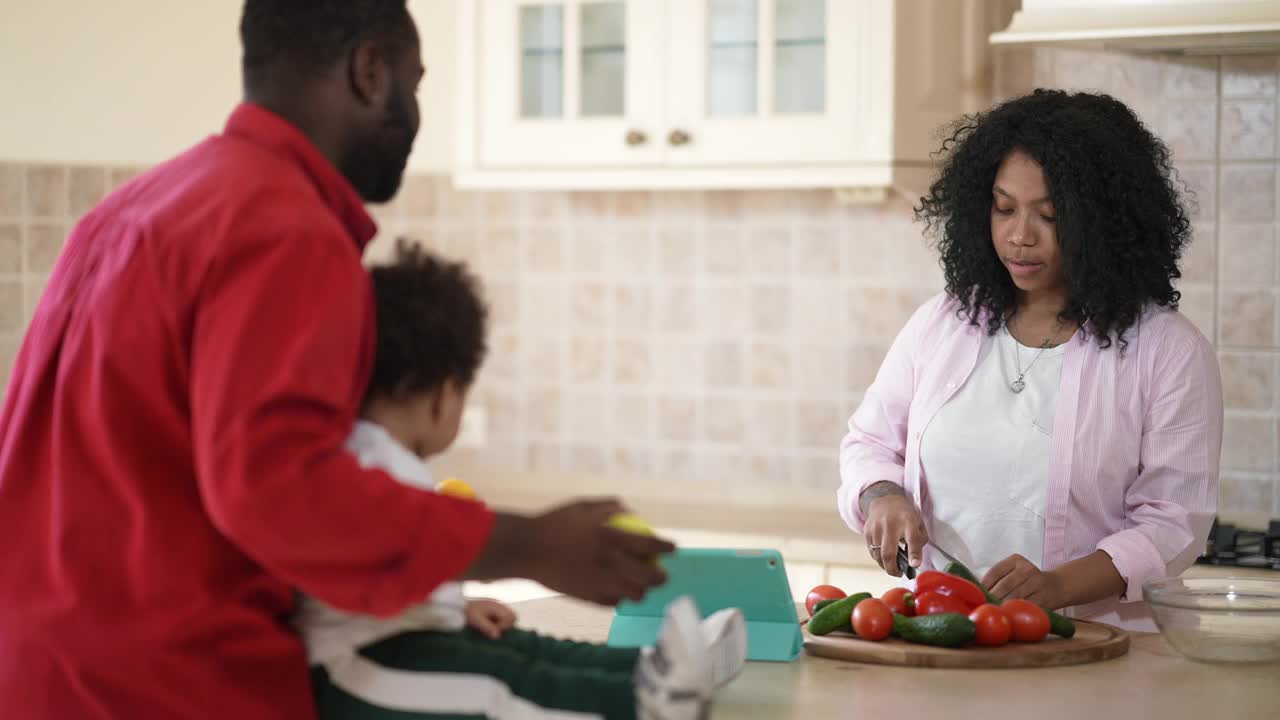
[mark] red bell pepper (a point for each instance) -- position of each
(932, 581)
(932, 603)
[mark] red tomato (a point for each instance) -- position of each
(951, 586)
(1030, 623)
(900, 600)
(820, 593)
(931, 603)
(994, 627)
(872, 619)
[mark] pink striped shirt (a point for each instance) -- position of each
(1136, 443)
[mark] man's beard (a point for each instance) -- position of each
(376, 166)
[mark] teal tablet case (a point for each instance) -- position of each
(754, 581)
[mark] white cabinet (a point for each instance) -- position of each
(597, 94)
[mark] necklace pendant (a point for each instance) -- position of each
(1018, 385)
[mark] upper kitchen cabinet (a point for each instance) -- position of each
(608, 94)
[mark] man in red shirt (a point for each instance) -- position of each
(171, 445)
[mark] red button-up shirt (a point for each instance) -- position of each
(171, 446)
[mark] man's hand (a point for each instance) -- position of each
(1016, 577)
(490, 617)
(891, 517)
(571, 550)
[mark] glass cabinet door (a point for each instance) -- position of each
(563, 77)
(784, 74)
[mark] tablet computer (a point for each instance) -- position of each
(754, 581)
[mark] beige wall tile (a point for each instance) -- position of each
(543, 248)
(1249, 443)
(725, 420)
(633, 418)
(541, 358)
(724, 204)
(543, 457)
(44, 244)
(862, 362)
(542, 411)
(722, 310)
(586, 460)
(587, 249)
(587, 417)
(723, 364)
(1135, 76)
(503, 361)
(12, 180)
(591, 205)
(632, 461)
(11, 253)
(587, 359)
(817, 370)
(417, 198)
(47, 191)
(504, 420)
(1190, 128)
(1199, 305)
(770, 309)
(500, 206)
(632, 363)
(1247, 193)
(118, 176)
(500, 250)
(1247, 318)
(820, 424)
(769, 250)
(1191, 77)
(590, 305)
(677, 308)
(1242, 493)
(1201, 180)
(632, 255)
(1200, 259)
(817, 473)
(1248, 75)
(725, 253)
(1248, 129)
(817, 250)
(816, 310)
(1015, 71)
(454, 204)
(677, 418)
(879, 314)
(1248, 380)
(634, 307)
(769, 366)
(678, 251)
(87, 187)
(677, 363)
(1248, 255)
(462, 244)
(540, 305)
(677, 465)
(1081, 70)
(546, 206)
(675, 205)
(9, 346)
(769, 423)
(634, 204)
(12, 314)
(504, 306)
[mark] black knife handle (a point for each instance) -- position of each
(904, 565)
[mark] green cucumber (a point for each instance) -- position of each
(823, 603)
(836, 616)
(1058, 625)
(950, 630)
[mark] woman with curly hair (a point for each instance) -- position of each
(1051, 419)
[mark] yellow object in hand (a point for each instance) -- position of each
(453, 487)
(627, 522)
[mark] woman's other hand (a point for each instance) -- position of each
(892, 517)
(490, 617)
(1016, 577)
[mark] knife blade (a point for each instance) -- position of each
(945, 555)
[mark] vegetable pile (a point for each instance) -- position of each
(948, 609)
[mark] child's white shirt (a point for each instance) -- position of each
(333, 634)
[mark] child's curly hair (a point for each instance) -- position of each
(1120, 218)
(431, 323)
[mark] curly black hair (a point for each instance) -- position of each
(1121, 224)
(431, 323)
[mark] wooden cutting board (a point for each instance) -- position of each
(1092, 642)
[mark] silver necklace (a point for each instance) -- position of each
(1018, 384)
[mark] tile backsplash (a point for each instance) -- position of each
(711, 345)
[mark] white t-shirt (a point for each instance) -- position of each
(332, 634)
(985, 458)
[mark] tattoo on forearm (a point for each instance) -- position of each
(879, 490)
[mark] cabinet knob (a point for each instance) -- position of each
(679, 137)
(636, 137)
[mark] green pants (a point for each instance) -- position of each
(419, 675)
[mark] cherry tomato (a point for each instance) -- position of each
(901, 601)
(994, 627)
(931, 603)
(951, 586)
(872, 619)
(1030, 622)
(820, 593)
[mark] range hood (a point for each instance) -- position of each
(1187, 27)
